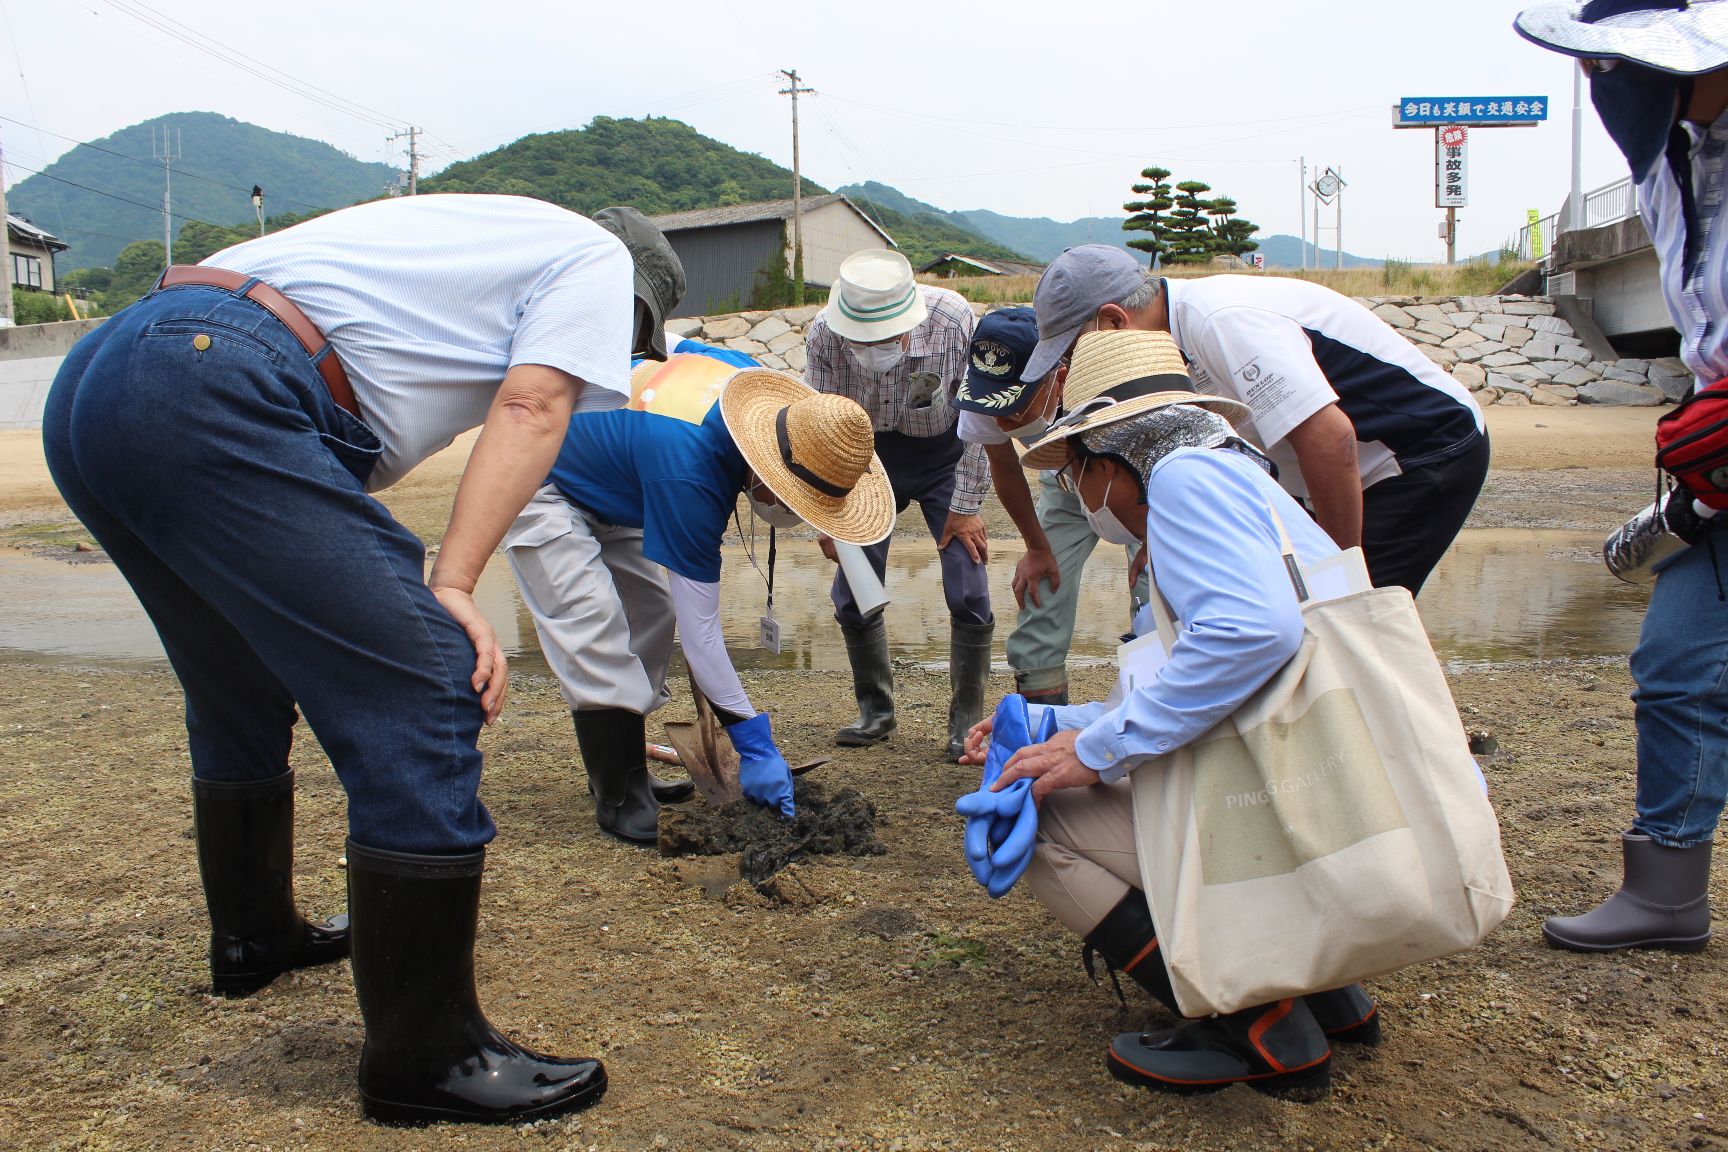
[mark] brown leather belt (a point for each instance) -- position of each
(284, 310)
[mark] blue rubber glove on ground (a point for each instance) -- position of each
(762, 771)
(1002, 827)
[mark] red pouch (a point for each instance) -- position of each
(1692, 445)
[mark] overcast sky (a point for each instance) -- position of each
(1026, 109)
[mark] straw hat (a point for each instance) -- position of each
(816, 452)
(1115, 376)
(874, 298)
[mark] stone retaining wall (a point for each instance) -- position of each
(1504, 349)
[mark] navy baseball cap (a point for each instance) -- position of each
(1001, 345)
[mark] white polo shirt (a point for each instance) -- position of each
(1287, 348)
(429, 300)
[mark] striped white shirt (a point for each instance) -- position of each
(1697, 298)
(429, 300)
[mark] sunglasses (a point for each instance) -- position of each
(1597, 67)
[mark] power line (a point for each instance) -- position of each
(927, 116)
(140, 160)
(228, 80)
(252, 66)
(100, 192)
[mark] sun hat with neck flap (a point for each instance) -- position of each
(815, 451)
(1115, 376)
(874, 298)
(1682, 37)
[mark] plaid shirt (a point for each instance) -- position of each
(914, 398)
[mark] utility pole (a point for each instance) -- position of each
(258, 206)
(1302, 210)
(792, 90)
(5, 257)
(1575, 217)
(413, 158)
(169, 153)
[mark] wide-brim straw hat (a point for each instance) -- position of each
(1118, 375)
(1684, 41)
(815, 451)
(875, 297)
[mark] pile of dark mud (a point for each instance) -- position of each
(841, 825)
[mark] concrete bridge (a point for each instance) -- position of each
(1605, 271)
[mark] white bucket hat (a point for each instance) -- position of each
(1676, 36)
(875, 297)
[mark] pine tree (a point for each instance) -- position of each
(1148, 213)
(1190, 235)
(1184, 226)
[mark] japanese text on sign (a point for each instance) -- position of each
(1450, 189)
(1473, 110)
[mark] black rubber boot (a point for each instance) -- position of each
(665, 791)
(872, 682)
(1276, 1048)
(611, 740)
(1128, 942)
(430, 1054)
(1663, 902)
(245, 833)
(1347, 1015)
(968, 669)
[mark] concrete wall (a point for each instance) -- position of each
(831, 233)
(29, 357)
(1627, 294)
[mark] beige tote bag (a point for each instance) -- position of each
(1333, 828)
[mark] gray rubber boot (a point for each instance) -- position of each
(1043, 685)
(1663, 902)
(1276, 1048)
(1347, 1015)
(872, 682)
(968, 669)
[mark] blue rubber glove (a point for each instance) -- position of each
(762, 771)
(1002, 827)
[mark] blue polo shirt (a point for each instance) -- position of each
(675, 480)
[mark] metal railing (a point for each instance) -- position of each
(1608, 204)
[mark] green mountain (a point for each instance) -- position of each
(925, 231)
(655, 165)
(105, 195)
(1044, 238)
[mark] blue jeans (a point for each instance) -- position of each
(1680, 668)
(228, 489)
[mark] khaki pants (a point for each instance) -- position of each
(602, 610)
(1085, 861)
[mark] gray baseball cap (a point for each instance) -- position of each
(659, 272)
(1077, 284)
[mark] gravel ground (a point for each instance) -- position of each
(867, 1002)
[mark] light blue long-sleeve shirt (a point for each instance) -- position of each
(1217, 560)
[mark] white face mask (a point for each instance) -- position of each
(877, 359)
(1039, 424)
(775, 515)
(1034, 427)
(1104, 523)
